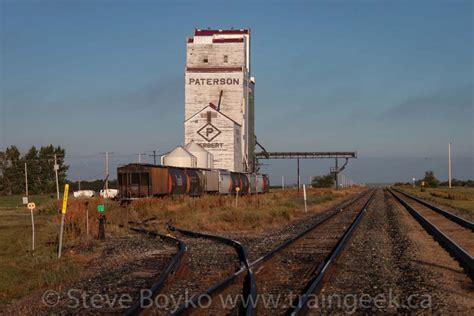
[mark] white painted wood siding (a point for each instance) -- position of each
(225, 149)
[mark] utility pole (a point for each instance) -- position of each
(79, 182)
(154, 156)
(56, 168)
(449, 164)
(282, 182)
(26, 180)
(298, 172)
(304, 198)
(336, 178)
(106, 171)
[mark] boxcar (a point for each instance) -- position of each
(141, 180)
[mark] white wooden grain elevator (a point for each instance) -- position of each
(219, 97)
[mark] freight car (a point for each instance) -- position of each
(265, 183)
(144, 180)
(225, 182)
(241, 181)
(258, 183)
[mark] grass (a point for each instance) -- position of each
(12, 201)
(254, 213)
(23, 272)
(457, 197)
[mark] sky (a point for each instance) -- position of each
(392, 80)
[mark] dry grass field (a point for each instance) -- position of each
(254, 213)
(457, 197)
(22, 271)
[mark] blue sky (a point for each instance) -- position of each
(392, 80)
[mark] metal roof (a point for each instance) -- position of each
(200, 32)
(306, 155)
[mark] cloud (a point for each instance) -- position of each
(167, 94)
(444, 104)
(164, 94)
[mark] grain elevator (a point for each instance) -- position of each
(219, 97)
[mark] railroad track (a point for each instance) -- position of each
(452, 232)
(171, 268)
(298, 266)
(127, 265)
(241, 282)
(208, 259)
(457, 219)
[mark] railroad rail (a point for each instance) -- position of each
(459, 220)
(249, 287)
(323, 269)
(459, 253)
(249, 309)
(137, 307)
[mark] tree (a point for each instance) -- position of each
(46, 163)
(41, 177)
(34, 180)
(430, 179)
(3, 163)
(95, 185)
(458, 183)
(12, 172)
(326, 181)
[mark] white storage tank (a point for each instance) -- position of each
(179, 157)
(204, 158)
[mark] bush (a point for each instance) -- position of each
(326, 181)
(430, 179)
